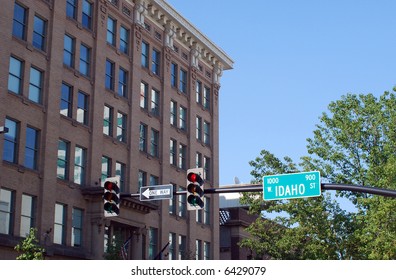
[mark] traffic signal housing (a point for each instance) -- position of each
(195, 189)
(111, 197)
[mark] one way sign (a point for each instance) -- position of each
(157, 192)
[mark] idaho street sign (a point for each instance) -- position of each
(156, 192)
(293, 185)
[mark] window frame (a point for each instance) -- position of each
(34, 148)
(19, 24)
(39, 36)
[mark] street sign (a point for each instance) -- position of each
(157, 192)
(293, 185)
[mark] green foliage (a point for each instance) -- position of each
(113, 251)
(29, 248)
(354, 143)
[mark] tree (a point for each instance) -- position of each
(29, 248)
(354, 143)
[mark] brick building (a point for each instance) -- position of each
(95, 89)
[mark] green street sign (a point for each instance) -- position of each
(293, 185)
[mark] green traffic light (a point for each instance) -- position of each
(195, 201)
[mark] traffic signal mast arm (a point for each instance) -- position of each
(259, 188)
(324, 186)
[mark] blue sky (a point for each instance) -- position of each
(291, 59)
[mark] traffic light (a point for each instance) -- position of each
(195, 189)
(111, 197)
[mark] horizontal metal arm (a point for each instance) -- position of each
(259, 188)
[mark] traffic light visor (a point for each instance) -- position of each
(110, 186)
(193, 188)
(194, 177)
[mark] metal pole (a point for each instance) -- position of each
(259, 188)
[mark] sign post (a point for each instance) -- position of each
(157, 192)
(293, 185)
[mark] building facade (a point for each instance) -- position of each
(96, 89)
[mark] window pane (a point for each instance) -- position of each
(15, 75)
(35, 85)
(10, 141)
(19, 24)
(31, 148)
(39, 33)
(6, 209)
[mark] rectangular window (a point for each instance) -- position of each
(183, 81)
(172, 246)
(60, 224)
(6, 211)
(206, 250)
(19, 22)
(143, 138)
(182, 210)
(198, 160)
(87, 14)
(142, 179)
(145, 55)
(155, 62)
(106, 167)
(11, 141)
(35, 85)
(109, 80)
(85, 60)
(39, 33)
(111, 31)
(120, 171)
(198, 92)
(207, 168)
(198, 129)
(183, 118)
(66, 100)
(15, 74)
(207, 211)
(80, 162)
(122, 82)
(154, 180)
(121, 127)
(173, 152)
(153, 243)
(182, 156)
(68, 51)
(71, 9)
(31, 148)
(77, 227)
(28, 213)
(206, 100)
(82, 108)
(173, 113)
(63, 160)
(198, 249)
(155, 102)
(173, 203)
(108, 121)
(124, 40)
(174, 75)
(198, 216)
(183, 255)
(206, 133)
(143, 95)
(154, 143)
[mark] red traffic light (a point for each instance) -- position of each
(195, 178)
(111, 186)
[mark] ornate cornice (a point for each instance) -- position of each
(164, 14)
